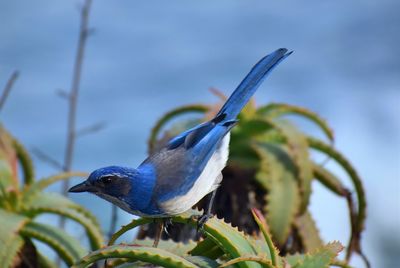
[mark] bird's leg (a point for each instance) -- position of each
(162, 226)
(158, 233)
(207, 212)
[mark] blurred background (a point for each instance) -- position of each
(145, 58)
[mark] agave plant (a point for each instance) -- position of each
(271, 169)
(223, 246)
(23, 200)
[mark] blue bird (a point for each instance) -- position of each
(176, 177)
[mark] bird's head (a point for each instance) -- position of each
(110, 181)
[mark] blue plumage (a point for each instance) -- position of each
(176, 177)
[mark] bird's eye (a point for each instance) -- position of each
(106, 179)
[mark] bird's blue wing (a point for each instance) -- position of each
(192, 136)
(178, 140)
(206, 146)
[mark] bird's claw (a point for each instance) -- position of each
(166, 223)
(201, 220)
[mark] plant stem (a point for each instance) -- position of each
(7, 88)
(113, 223)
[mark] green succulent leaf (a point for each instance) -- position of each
(60, 205)
(274, 110)
(249, 131)
(308, 232)
(25, 161)
(233, 242)
(249, 110)
(10, 241)
(298, 150)
(260, 245)
(262, 260)
(67, 247)
(294, 259)
(120, 264)
(133, 224)
(277, 175)
(330, 181)
(202, 261)
(132, 253)
(241, 154)
(177, 248)
(9, 199)
(207, 248)
(254, 127)
(321, 258)
(8, 162)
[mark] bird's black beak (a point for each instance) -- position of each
(81, 187)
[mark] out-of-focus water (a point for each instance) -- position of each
(148, 57)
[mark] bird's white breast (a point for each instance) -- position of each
(207, 182)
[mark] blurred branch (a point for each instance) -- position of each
(47, 158)
(218, 93)
(7, 88)
(62, 93)
(90, 129)
(73, 95)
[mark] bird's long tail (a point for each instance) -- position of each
(249, 85)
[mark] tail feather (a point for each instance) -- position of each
(250, 83)
(226, 117)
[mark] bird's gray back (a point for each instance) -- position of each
(174, 170)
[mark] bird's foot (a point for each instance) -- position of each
(201, 220)
(166, 223)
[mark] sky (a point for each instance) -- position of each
(145, 58)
